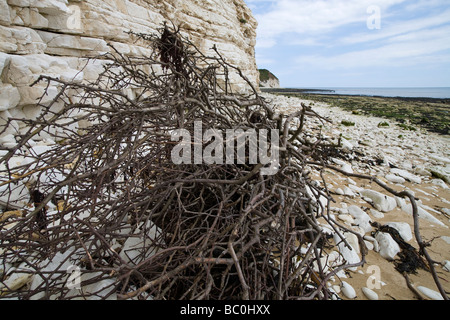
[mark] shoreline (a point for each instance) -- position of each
(410, 113)
(314, 92)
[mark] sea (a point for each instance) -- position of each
(436, 93)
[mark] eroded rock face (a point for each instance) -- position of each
(54, 37)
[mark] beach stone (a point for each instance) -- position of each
(431, 294)
(403, 229)
(14, 195)
(339, 191)
(436, 158)
(441, 173)
(348, 290)
(423, 214)
(348, 192)
(99, 290)
(407, 175)
(446, 239)
(346, 218)
(440, 183)
(388, 247)
(381, 202)
(349, 254)
(347, 168)
(394, 178)
(369, 245)
(346, 145)
(17, 279)
(9, 97)
(362, 219)
(370, 294)
(352, 240)
(446, 266)
(140, 246)
(376, 214)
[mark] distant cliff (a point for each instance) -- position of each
(268, 79)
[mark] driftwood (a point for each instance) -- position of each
(110, 201)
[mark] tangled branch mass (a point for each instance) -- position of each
(105, 213)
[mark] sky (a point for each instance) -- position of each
(354, 43)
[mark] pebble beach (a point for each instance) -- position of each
(416, 161)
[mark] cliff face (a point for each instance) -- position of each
(268, 79)
(54, 37)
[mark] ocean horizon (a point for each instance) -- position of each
(406, 92)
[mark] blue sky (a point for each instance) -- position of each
(354, 43)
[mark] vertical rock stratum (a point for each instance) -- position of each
(55, 38)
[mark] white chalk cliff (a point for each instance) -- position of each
(54, 37)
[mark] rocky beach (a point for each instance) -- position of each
(417, 161)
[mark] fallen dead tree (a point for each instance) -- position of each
(105, 213)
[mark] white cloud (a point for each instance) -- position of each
(334, 38)
(423, 48)
(399, 28)
(313, 16)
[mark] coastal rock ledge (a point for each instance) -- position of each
(55, 37)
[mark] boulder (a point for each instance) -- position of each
(361, 218)
(407, 175)
(381, 202)
(388, 247)
(431, 294)
(348, 290)
(370, 294)
(394, 178)
(14, 195)
(349, 254)
(403, 229)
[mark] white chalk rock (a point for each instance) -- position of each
(423, 214)
(9, 97)
(388, 247)
(446, 266)
(431, 294)
(347, 168)
(440, 183)
(349, 254)
(348, 290)
(374, 242)
(370, 294)
(339, 191)
(403, 229)
(140, 246)
(441, 172)
(352, 240)
(14, 195)
(346, 144)
(346, 218)
(369, 245)
(57, 265)
(362, 219)
(16, 278)
(407, 175)
(376, 214)
(394, 178)
(381, 202)
(348, 192)
(99, 290)
(15, 282)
